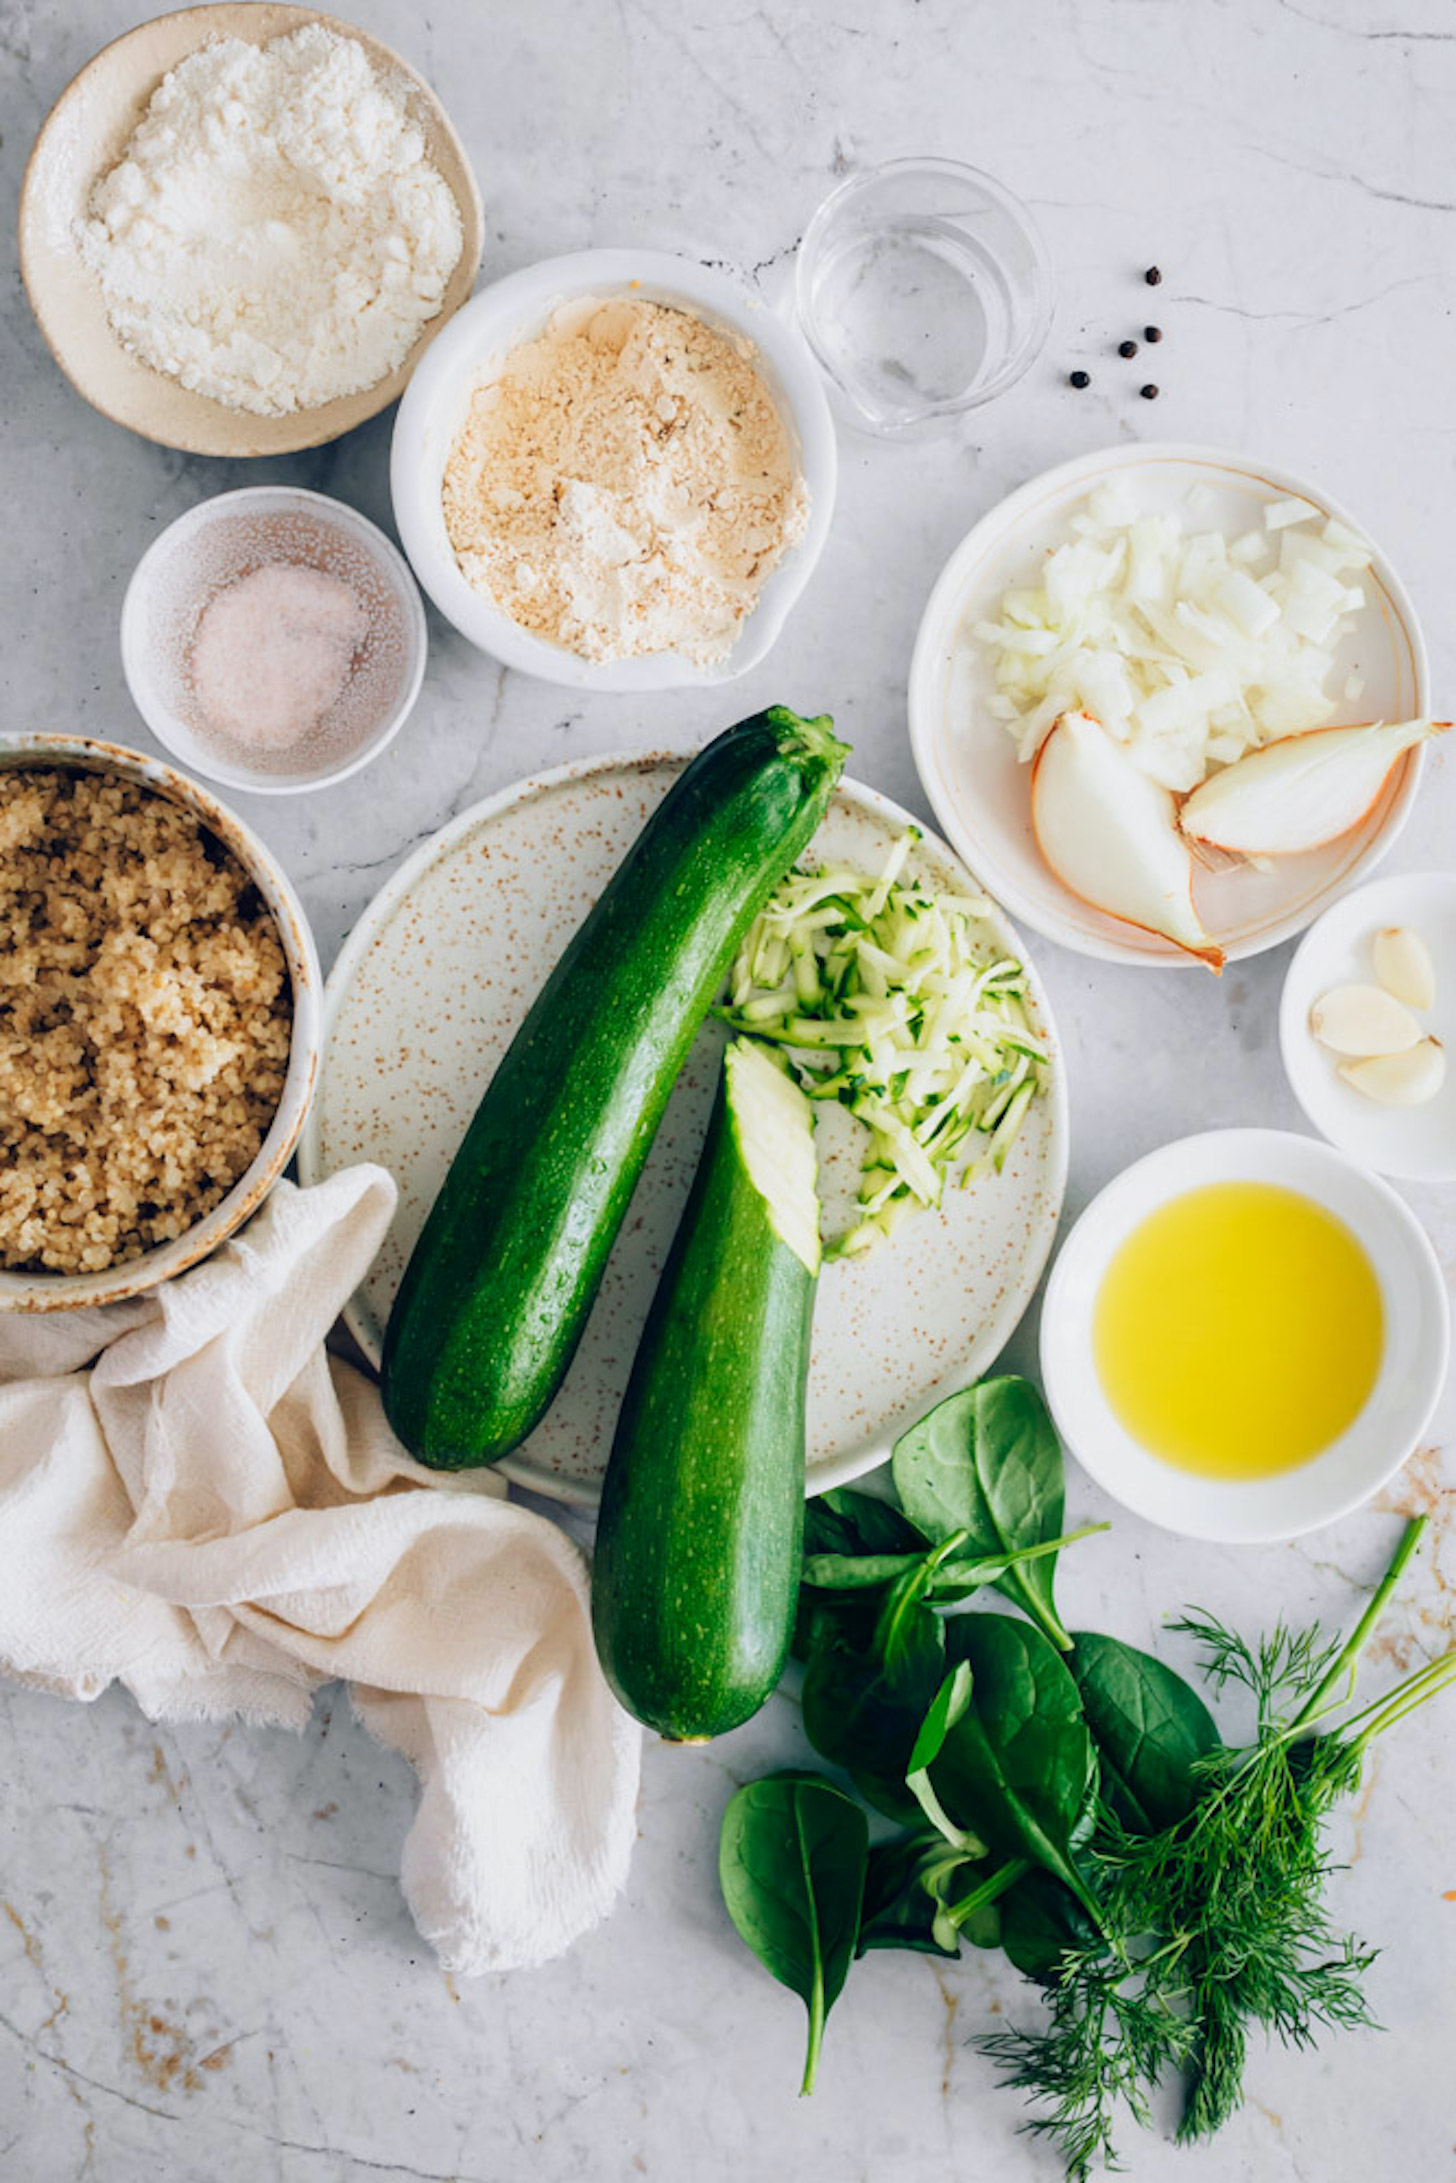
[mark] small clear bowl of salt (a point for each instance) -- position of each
(273, 639)
(924, 289)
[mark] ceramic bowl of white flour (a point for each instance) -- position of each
(241, 225)
(620, 615)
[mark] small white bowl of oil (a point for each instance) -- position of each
(1244, 1336)
(273, 639)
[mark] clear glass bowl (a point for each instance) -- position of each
(924, 289)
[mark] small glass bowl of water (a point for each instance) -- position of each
(924, 289)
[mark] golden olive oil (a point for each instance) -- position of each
(1238, 1330)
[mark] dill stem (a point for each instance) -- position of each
(1319, 1699)
(1362, 1728)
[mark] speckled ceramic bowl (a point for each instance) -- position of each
(85, 134)
(431, 987)
(63, 1292)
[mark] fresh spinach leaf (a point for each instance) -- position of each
(904, 1890)
(1040, 1920)
(844, 1521)
(866, 1690)
(945, 1709)
(941, 1715)
(988, 1462)
(1150, 1727)
(791, 1862)
(950, 1578)
(1016, 1765)
(856, 1572)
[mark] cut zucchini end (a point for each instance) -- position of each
(808, 738)
(773, 1124)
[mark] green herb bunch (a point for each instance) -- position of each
(1067, 1799)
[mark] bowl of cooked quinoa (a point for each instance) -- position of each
(159, 992)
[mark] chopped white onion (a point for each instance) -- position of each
(1280, 513)
(1191, 648)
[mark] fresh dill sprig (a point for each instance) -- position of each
(1284, 1666)
(1217, 1926)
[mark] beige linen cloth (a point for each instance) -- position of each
(196, 1500)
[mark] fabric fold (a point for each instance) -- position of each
(199, 1502)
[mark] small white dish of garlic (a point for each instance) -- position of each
(1367, 1025)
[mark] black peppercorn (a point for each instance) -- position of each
(1127, 348)
(1152, 333)
(1149, 393)
(1080, 378)
(1152, 276)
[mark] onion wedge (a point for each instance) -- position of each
(1301, 792)
(1111, 835)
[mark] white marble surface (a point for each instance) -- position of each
(206, 1971)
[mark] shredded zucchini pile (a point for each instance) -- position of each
(888, 1000)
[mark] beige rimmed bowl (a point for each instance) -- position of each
(85, 134)
(25, 1291)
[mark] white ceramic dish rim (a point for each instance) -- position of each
(1382, 902)
(943, 615)
(169, 731)
(1345, 1475)
(480, 335)
(38, 1292)
(996, 1329)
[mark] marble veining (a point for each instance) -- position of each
(207, 1974)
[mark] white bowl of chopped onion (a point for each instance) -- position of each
(1269, 614)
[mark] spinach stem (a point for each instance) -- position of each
(1003, 1877)
(919, 1786)
(816, 2033)
(1044, 1617)
(815, 2002)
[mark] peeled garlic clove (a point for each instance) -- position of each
(1361, 1020)
(1400, 1080)
(1111, 835)
(1302, 791)
(1404, 967)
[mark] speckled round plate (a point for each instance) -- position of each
(427, 994)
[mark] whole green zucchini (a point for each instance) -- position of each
(497, 1292)
(698, 1543)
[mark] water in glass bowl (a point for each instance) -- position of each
(924, 290)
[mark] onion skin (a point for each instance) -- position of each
(1212, 814)
(1071, 871)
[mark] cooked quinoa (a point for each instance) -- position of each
(145, 1019)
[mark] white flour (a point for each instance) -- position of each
(274, 235)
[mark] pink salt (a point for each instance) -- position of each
(273, 653)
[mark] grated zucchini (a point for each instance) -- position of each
(889, 999)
